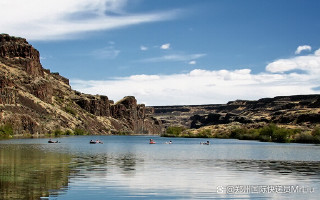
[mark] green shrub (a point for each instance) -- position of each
(269, 133)
(268, 130)
(79, 131)
(280, 135)
(237, 133)
(6, 130)
(58, 132)
(273, 133)
(244, 134)
(316, 131)
(174, 131)
(205, 133)
(188, 134)
(68, 132)
(70, 110)
(304, 138)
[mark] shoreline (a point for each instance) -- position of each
(267, 133)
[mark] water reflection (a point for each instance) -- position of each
(28, 173)
(302, 169)
(124, 170)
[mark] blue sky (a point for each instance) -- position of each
(170, 52)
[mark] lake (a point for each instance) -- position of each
(128, 167)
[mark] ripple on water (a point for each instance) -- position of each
(128, 167)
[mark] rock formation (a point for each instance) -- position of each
(299, 110)
(35, 101)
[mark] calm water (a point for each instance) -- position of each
(128, 167)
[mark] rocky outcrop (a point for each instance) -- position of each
(96, 105)
(302, 110)
(17, 51)
(135, 115)
(35, 101)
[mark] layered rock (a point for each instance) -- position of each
(96, 105)
(35, 101)
(135, 116)
(302, 110)
(17, 51)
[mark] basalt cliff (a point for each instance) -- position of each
(35, 101)
(299, 111)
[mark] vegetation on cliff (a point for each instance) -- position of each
(299, 110)
(267, 133)
(36, 102)
(279, 119)
(6, 131)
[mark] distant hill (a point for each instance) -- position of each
(295, 111)
(34, 101)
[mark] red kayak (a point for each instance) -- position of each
(153, 142)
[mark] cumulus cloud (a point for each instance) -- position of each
(60, 19)
(213, 86)
(309, 63)
(165, 46)
(303, 48)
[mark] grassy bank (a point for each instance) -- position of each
(6, 132)
(267, 133)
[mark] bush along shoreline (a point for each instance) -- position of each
(6, 132)
(267, 133)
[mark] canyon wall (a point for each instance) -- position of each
(35, 101)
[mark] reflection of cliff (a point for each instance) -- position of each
(36, 101)
(29, 173)
(83, 165)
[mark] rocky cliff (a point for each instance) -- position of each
(35, 101)
(299, 110)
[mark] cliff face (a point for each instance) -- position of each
(35, 101)
(299, 110)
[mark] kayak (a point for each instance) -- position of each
(152, 142)
(96, 142)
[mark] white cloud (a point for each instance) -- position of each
(106, 53)
(309, 63)
(192, 62)
(60, 19)
(303, 48)
(165, 46)
(213, 86)
(174, 57)
(143, 48)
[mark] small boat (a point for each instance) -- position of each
(50, 141)
(95, 142)
(205, 143)
(152, 141)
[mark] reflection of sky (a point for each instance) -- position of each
(185, 171)
(180, 179)
(129, 167)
